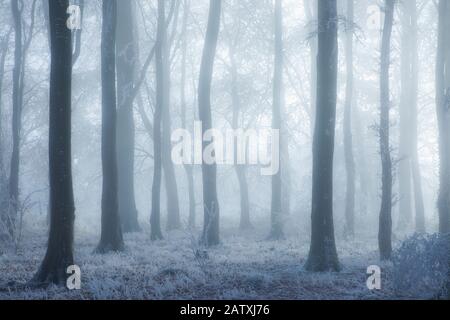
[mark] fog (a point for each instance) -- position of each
(268, 103)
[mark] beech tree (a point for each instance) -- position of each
(210, 234)
(126, 78)
(322, 254)
(385, 219)
(59, 253)
(111, 233)
(276, 231)
(348, 139)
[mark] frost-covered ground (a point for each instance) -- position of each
(242, 267)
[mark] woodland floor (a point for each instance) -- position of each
(242, 267)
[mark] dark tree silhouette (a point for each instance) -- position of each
(323, 254)
(111, 235)
(210, 234)
(385, 223)
(62, 211)
(276, 231)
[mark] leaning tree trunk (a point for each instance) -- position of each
(323, 255)
(276, 217)
(16, 119)
(348, 139)
(155, 218)
(126, 60)
(62, 211)
(187, 167)
(210, 234)
(385, 219)
(111, 235)
(443, 114)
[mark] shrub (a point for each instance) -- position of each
(421, 265)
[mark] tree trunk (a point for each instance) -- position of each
(16, 119)
(170, 182)
(311, 13)
(405, 139)
(348, 139)
(443, 114)
(276, 231)
(415, 166)
(240, 169)
(210, 235)
(111, 236)
(187, 167)
(3, 178)
(60, 244)
(385, 219)
(126, 60)
(161, 103)
(323, 255)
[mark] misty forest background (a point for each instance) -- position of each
(360, 91)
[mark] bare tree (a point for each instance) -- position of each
(62, 211)
(188, 168)
(348, 139)
(111, 234)
(161, 103)
(323, 255)
(385, 219)
(276, 231)
(209, 171)
(16, 117)
(126, 67)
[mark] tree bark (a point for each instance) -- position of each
(111, 234)
(60, 244)
(126, 64)
(323, 255)
(443, 114)
(210, 234)
(385, 219)
(348, 138)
